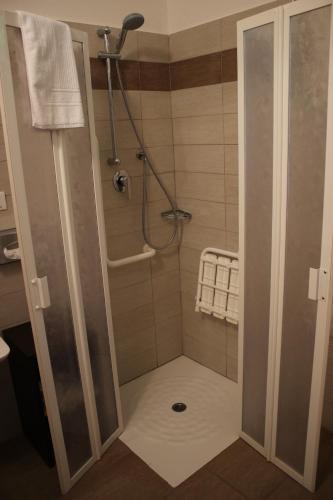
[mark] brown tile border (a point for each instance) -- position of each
(196, 72)
(154, 76)
(210, 69)
(229, 65)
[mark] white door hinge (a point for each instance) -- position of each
(43, 293)
(318, 284)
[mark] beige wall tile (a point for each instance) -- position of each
(157, 132)
(101, 104)
(167, 351)
(232, 352)
(231, 159)
(125, 136)
(189, 259)
(162, 158)
(13, 309)
(198, 130)
(199, 351)
(165, 261)
(189, 283)
(169, 339)
(155, 104)
(153, 47)
(205, 213)
(230, 128)
(231, 189)
(134, 320)
(129, 343)
(200, 158)
(232, 242)
(193, 42)
(132, 297)
(166, 284)
(122, 277)
(229, 90)
(206, 100)
(130, 367)
(199, 186)
(123, 220)
(167, 307)
(124, 245)
(169, 329)
(134, 101)
(155, 191)
(232, 218)
(199, 237)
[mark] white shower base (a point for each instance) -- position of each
(175, 445)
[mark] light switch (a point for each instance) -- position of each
(3, 203)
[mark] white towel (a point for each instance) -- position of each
(51, 70)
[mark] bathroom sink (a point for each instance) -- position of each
(4, 350)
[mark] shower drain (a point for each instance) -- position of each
(179, 407)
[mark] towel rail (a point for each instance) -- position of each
(147, 253)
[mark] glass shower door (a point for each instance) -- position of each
(55, 186)
(304, 273)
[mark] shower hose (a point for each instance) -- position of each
(177, 226)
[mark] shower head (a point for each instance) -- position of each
(131, 22)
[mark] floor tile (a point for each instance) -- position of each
(246, 471)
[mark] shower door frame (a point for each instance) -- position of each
(324, 305)
(281, 17)
(29, 271)
(273, 16)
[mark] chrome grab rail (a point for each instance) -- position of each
(147, 253)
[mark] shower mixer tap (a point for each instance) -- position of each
(122, 182)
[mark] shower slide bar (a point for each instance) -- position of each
(147, 253)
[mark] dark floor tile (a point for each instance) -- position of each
(290, 490)
(246, 471)
(127, 478)
(204, 485)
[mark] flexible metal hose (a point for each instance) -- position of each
(147, 162)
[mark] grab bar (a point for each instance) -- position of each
(147, 253)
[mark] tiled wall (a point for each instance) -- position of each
(145, 297)
(204, 110)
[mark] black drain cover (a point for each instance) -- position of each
(179, 407)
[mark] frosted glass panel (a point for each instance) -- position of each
(85, 222)
(259, 76)
(309, 52)
(41, 188)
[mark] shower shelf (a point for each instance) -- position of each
(218, 289)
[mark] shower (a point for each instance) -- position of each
(121, 179)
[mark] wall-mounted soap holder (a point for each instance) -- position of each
(180, 214)
(9, 249)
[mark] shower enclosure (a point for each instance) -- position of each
(286, 233)
(285, 129)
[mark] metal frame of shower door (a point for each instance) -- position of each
(273, 16)
(323, 321)
(82, 37)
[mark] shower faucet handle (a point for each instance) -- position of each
(122, 182)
